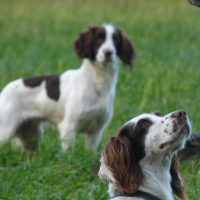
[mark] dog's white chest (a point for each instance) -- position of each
(92, 117)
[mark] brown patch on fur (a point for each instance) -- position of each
(52, 84)
(28, 132)
(119, 159)
(88, 42)
(34, 81)
(176, 182)
(125, 49)
(157, 113)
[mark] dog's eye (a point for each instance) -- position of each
(144, 124)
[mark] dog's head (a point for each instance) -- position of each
(146, 137)
(104, 44)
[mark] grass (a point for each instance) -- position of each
(36, 37)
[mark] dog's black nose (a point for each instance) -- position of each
(178, 114)
(108, 53)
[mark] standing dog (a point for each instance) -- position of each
(76, 101)
(140, 162)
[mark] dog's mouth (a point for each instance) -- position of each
(108, 60)
(165, 144)
(181, 133)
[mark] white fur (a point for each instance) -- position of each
(156, 163)
(85, 103)
(108, 45)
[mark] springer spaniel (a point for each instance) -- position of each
(140, 162)
(78, 100)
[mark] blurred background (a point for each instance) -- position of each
(36, 38)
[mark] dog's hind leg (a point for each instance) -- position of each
(6, 132)
(28, 132)
(7, 129)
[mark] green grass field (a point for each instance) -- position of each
(36, 37)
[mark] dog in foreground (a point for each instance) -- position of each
(140, 162)
(76, 101)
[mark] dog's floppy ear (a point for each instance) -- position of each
(119, 159)
(176, 182)
(157, 113)
(83, 45)
(125, 49)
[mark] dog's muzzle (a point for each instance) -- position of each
(181, 122)
(108, 55)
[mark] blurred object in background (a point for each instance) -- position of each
(195, 2)
(192, 148)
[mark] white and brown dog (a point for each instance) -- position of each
(140, 162)
(76, 101)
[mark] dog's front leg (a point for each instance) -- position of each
(67, 135)
(92, 139)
